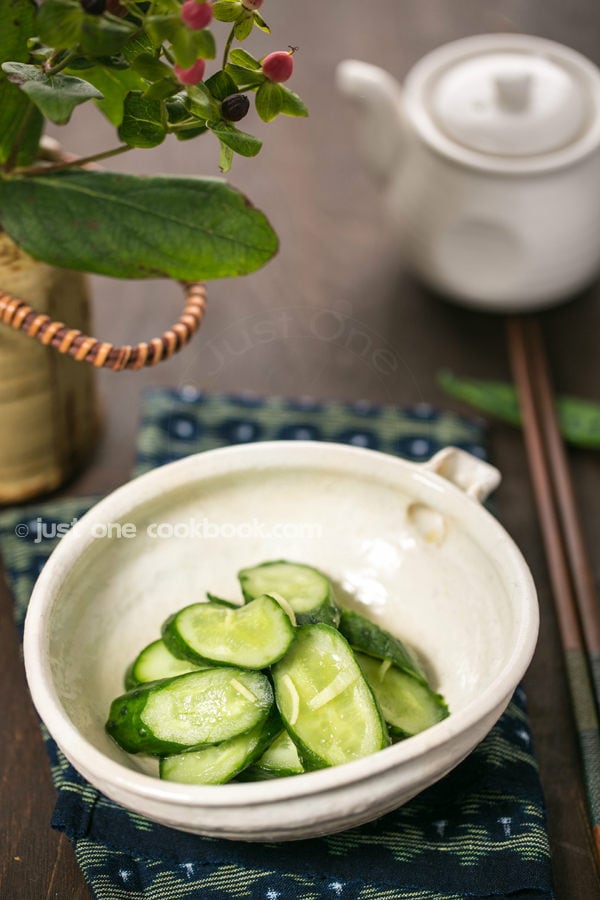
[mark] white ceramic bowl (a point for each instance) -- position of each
(415, 550)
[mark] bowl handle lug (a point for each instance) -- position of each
(472, 475)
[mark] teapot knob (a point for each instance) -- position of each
(513, 91)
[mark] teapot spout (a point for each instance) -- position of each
(377, 97)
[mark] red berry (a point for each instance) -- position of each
(278, 66)
(192, 75)
(252, 4)
(196, 15)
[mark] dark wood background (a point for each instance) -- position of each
(337, 257)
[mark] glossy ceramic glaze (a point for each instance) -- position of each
(416, 552)
(489, 155)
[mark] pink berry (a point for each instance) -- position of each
(278, 66)
(197, 15)
(252, 4)
(192, 75)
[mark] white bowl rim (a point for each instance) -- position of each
(220, 461)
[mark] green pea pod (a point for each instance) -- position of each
(579, 420)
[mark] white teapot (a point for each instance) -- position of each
(490, 156)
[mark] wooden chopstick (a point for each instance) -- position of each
(581, 569)
(570, 572)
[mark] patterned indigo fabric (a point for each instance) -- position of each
(478, 833)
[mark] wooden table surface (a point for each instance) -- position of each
(267, 333)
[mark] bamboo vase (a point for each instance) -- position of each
(48, 408)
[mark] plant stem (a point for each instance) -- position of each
(20, 136)
(53, 70)
(73, 163)
(228, 47)
(186, 125)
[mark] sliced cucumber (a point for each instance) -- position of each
(154, 662)
(325, 702)
(307, 590)
(367, 637)
(278, 760)
(221, 763)
(253, 636)
(214, 598)
(190, 711)
(408, 706)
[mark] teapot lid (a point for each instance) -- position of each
(514, 104)
(513, 98)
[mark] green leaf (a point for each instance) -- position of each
(104, 37)
(291, 104)
(221, 85)
(117, 61)
(78, 63)
(188, 133)
(260, 23)
(150, 67)
(56, 96)
(227, 11)
(495, 397)
(142, 124)
(19, 73)
(138, 43)
(162, 89)
(129, 226)
(181, 109)
(243, 27)
(59, 23)
(178, 108)
(16, 111)
(189, 45)
(269, 101)
(241, 57)
(203, 102)
(162, 28)
(579, 419)
(184, 48)
(240, 141)
(114, 86)
(245, 77)
(225, 157)
(205, 43)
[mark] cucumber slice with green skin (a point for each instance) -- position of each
(325, 702)
(367, 637)
(278, 761)
(221, 763)
(214, 598)
(155, 662)
(253, 636)
(408, 706)
(190, 711)
(307, 590)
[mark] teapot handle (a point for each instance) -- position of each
(21, 317)
(377, 96)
